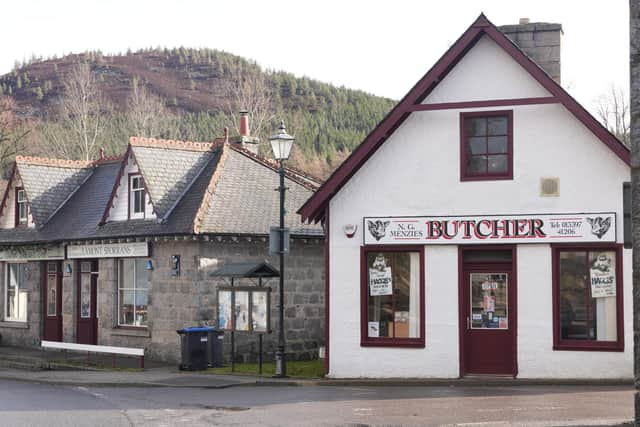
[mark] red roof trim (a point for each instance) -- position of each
(313, 209)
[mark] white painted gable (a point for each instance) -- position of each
(486, 72)
(8, 213)
(119, 210)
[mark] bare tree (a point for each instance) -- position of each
(12, 131)
(250, 92)
(613, 112)
(82, 115)
(148, 113)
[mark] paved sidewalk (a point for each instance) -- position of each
(25, 364)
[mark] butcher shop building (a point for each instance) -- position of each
(479, 229)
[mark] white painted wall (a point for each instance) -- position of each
(416, 172)
(8, 214)
(120, 208)
(486, 72)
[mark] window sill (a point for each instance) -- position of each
(416, 343)
(471, 178)
(16, 324)
(613, 347)
(141, 332)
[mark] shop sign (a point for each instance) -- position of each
(531, 228)
(32, 253)
(603, 275)
(109, 250)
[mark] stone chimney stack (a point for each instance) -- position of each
(539, 40)
(244, 123)
(244, 140)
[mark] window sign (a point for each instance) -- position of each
(489, 301)
(241, 311)
(380, 278)
(603, 275)
(244, 308)
(259, 307)
(224, 310)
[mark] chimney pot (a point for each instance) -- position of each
(244, 123)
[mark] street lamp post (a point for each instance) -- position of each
(281, 144)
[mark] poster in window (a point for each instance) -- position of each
(603, 275)
(489, 303)
(374, 329)
(380, 278)
(242, 311)
(259, 310)
(224, 310)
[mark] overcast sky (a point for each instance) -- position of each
(382, 47)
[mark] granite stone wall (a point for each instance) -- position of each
(175, 302)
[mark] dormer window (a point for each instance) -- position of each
(22, 208)
(136, 197)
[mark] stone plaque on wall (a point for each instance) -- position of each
(31, 253)
(109, 250)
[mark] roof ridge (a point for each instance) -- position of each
(48, 161)
(208, 192)
(300, 177)
(172, 144)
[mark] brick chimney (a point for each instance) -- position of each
(539, 40)
(244, 140)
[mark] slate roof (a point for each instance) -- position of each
(196, 188)
(168, 169)
(50, 184)
(245, 200)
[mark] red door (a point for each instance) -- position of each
(87, 319)
(52, 301)
(488, 313)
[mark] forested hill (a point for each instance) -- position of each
(192, 94)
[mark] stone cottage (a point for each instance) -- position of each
(121, 251)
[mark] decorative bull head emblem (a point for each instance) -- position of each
(599, 225)
(378, 228)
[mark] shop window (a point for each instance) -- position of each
(136, 197)
(587, 290)
(392, 302)
(133, 292)
(22, 208)
(486, 145)
(15, 294)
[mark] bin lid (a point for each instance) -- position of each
(198, 329)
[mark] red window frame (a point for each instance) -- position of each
(365, 340)
(464, 176)
(144, 197)
(17, 208)
(587, 345)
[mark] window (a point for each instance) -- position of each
(15, 294)
(136, 197)
(392, 300)
(587, 287)
(22, 208)
(52, 289)
(133, 292)
(486, 145)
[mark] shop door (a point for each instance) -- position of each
(87, 319)
(52, 301)
(488, 308)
